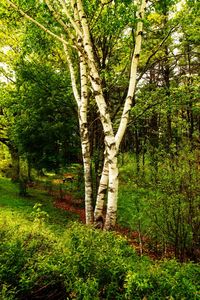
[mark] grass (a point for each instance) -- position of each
(11, 202)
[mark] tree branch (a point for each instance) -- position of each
(155, 51)
(25, 15)
(3, 72)
(133, 74)
(56, 16)
(73, 76)
(73, 23)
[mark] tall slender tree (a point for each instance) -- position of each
(73, 19)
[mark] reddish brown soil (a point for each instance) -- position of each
(70, 204)
(76, 206)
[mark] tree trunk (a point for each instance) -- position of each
(29, 168)
(15, 164)
(111, 143)
(82, 103)
(137, 151)
(85, 143)
(101, 195)
(111, 213)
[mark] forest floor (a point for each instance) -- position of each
(70, 208)
(140, 243)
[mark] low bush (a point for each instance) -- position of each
(162, 203)
(83, 264)
(163, 280)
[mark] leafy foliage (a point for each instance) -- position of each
(77, 262)
(44, 127)
(163, 204)
(85, 264)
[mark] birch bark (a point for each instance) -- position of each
(102, 190)
(82, 103)
(85, 143)
(133, 75)
(110, 146)
(126, 111)
(86, 56)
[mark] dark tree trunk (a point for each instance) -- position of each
(15, 175)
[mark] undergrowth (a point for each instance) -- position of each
(84, 264)
(73, 261)
(162, 204)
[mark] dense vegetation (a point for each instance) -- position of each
(45, 256)
(56, 141)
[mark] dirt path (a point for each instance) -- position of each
(75, 206)
(71, 205)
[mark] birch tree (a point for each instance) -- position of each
(74, 30)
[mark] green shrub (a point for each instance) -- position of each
(102, 256)
(162, 203)
(83, 263)
(164, 280)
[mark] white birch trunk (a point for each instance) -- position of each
(111, 213)
(110, 146)
(82, 103)
(85, 144)
(102, 190)
(133, 76)
(125, 115)
(110, 172)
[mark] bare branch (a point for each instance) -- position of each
(155, 51)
